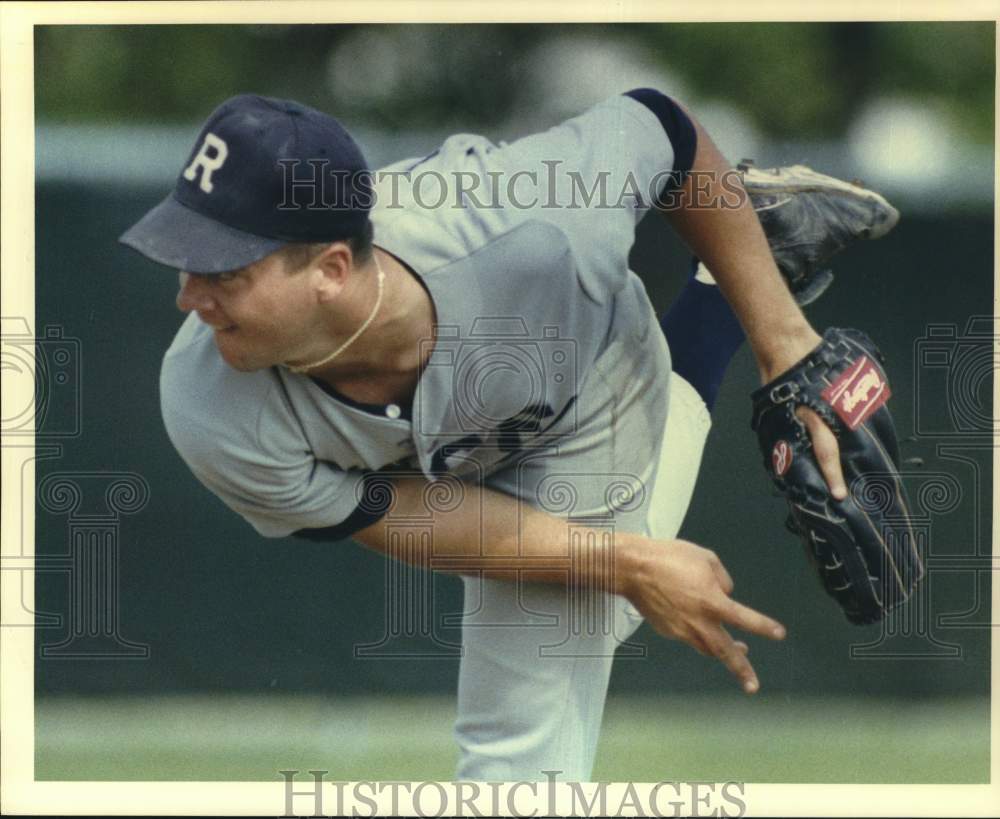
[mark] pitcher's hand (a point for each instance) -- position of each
(683, 590)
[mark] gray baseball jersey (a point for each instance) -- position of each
(523, 249)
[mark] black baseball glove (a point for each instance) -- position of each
(863, 546)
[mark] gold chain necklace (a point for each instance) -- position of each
(301, 368)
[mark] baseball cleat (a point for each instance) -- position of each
(809, 217)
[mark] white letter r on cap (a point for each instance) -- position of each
(209, 164)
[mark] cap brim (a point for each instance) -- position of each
(176, 236)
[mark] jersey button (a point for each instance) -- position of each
(393, 411)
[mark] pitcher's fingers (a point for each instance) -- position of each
(827, 451)
(742, 646)
(724, 578)
(697, 643)
(728, 651)
(751, 620)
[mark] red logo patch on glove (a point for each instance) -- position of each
(781, 458)
(858, 393)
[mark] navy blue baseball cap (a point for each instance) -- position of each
(263, 173)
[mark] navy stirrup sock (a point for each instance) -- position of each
(703, 334)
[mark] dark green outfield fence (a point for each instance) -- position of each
(148, 584)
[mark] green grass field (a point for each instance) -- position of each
(765, 739)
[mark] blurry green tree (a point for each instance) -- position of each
(797, 80)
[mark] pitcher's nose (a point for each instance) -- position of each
(194, 293)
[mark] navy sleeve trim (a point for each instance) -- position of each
(680, 131)
(376, 498)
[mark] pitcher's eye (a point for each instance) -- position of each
(227, 276)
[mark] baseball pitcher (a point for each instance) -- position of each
(458, 336)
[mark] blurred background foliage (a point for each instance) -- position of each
(793, 80)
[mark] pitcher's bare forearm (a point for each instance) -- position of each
(496, 535)
(682, 589)
(728, 238)
(726, 235)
